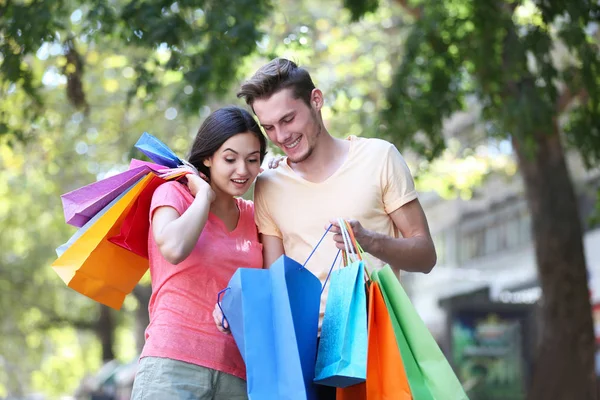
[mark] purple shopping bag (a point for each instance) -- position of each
(82, 204)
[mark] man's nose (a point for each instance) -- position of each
(282, 135)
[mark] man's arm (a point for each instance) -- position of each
(414, 252)
(272, 249)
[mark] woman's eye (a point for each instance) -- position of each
(230, 160)
(253, 160)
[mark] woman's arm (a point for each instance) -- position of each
(175, 234)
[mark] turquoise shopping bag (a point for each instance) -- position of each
(342, 354)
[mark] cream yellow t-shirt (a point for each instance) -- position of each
(373, 182)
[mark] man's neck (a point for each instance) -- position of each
(327, 157)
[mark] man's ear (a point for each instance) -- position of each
(316, 99)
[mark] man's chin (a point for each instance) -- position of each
(298, 158)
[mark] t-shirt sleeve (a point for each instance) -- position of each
(262, 216)
(170, 194)
(397, 181)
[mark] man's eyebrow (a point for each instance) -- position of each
(289, 114)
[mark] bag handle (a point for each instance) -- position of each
(349, 240)
(361, 255)
(220, 308)
(315, 248)
(303, 266)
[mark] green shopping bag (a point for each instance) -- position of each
(436, 371)
(416, 381)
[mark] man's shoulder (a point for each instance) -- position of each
(368, 146)
(271, 177)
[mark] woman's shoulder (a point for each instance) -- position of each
(172, 190)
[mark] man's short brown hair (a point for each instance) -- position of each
(277, 75)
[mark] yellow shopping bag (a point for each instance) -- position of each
(99, 269)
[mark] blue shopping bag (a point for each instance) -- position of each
(342, 354)
(157, 151)
(273, 315)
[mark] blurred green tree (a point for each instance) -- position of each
(202, 43)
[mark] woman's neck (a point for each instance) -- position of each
(224, 204)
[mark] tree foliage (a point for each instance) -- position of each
(201, 43)
(526, 62)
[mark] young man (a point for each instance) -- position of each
(365, 181)
(362, 180)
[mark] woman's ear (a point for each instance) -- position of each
(207, 162)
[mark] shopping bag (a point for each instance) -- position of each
(418, 386)
(386, 376)
(82, 204)
(133, 234)
(62, 248)
(97, 268)
(157, 151)
(437, 373)
(273, 315)
(342, 353)
(135, 163)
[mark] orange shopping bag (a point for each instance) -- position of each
(386, 377)
(99, 269)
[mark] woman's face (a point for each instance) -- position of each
(235, 165)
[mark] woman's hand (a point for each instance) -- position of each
(198, 184)
(220, 322)
(275, 161)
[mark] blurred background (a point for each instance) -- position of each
(493, 104)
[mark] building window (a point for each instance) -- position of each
(500, 230)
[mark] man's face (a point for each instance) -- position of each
(290, 123)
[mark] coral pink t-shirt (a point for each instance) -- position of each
(184, 295)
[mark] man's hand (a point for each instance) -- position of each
(222, 324)
(362, 235)
(414, 251)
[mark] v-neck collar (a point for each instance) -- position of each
(218, 221)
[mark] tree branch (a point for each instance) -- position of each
(415, 12)
(567, 97)
(55, 321)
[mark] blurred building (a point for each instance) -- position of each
(480, 299)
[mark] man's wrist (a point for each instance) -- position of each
(369, 242)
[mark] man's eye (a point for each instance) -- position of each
(287, 121)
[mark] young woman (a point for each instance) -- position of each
(200, 234)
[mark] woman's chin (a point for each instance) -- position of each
(237, 192)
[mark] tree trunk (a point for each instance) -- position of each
(564, 368)
(106, 333)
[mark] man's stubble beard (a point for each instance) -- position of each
(311, 147)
